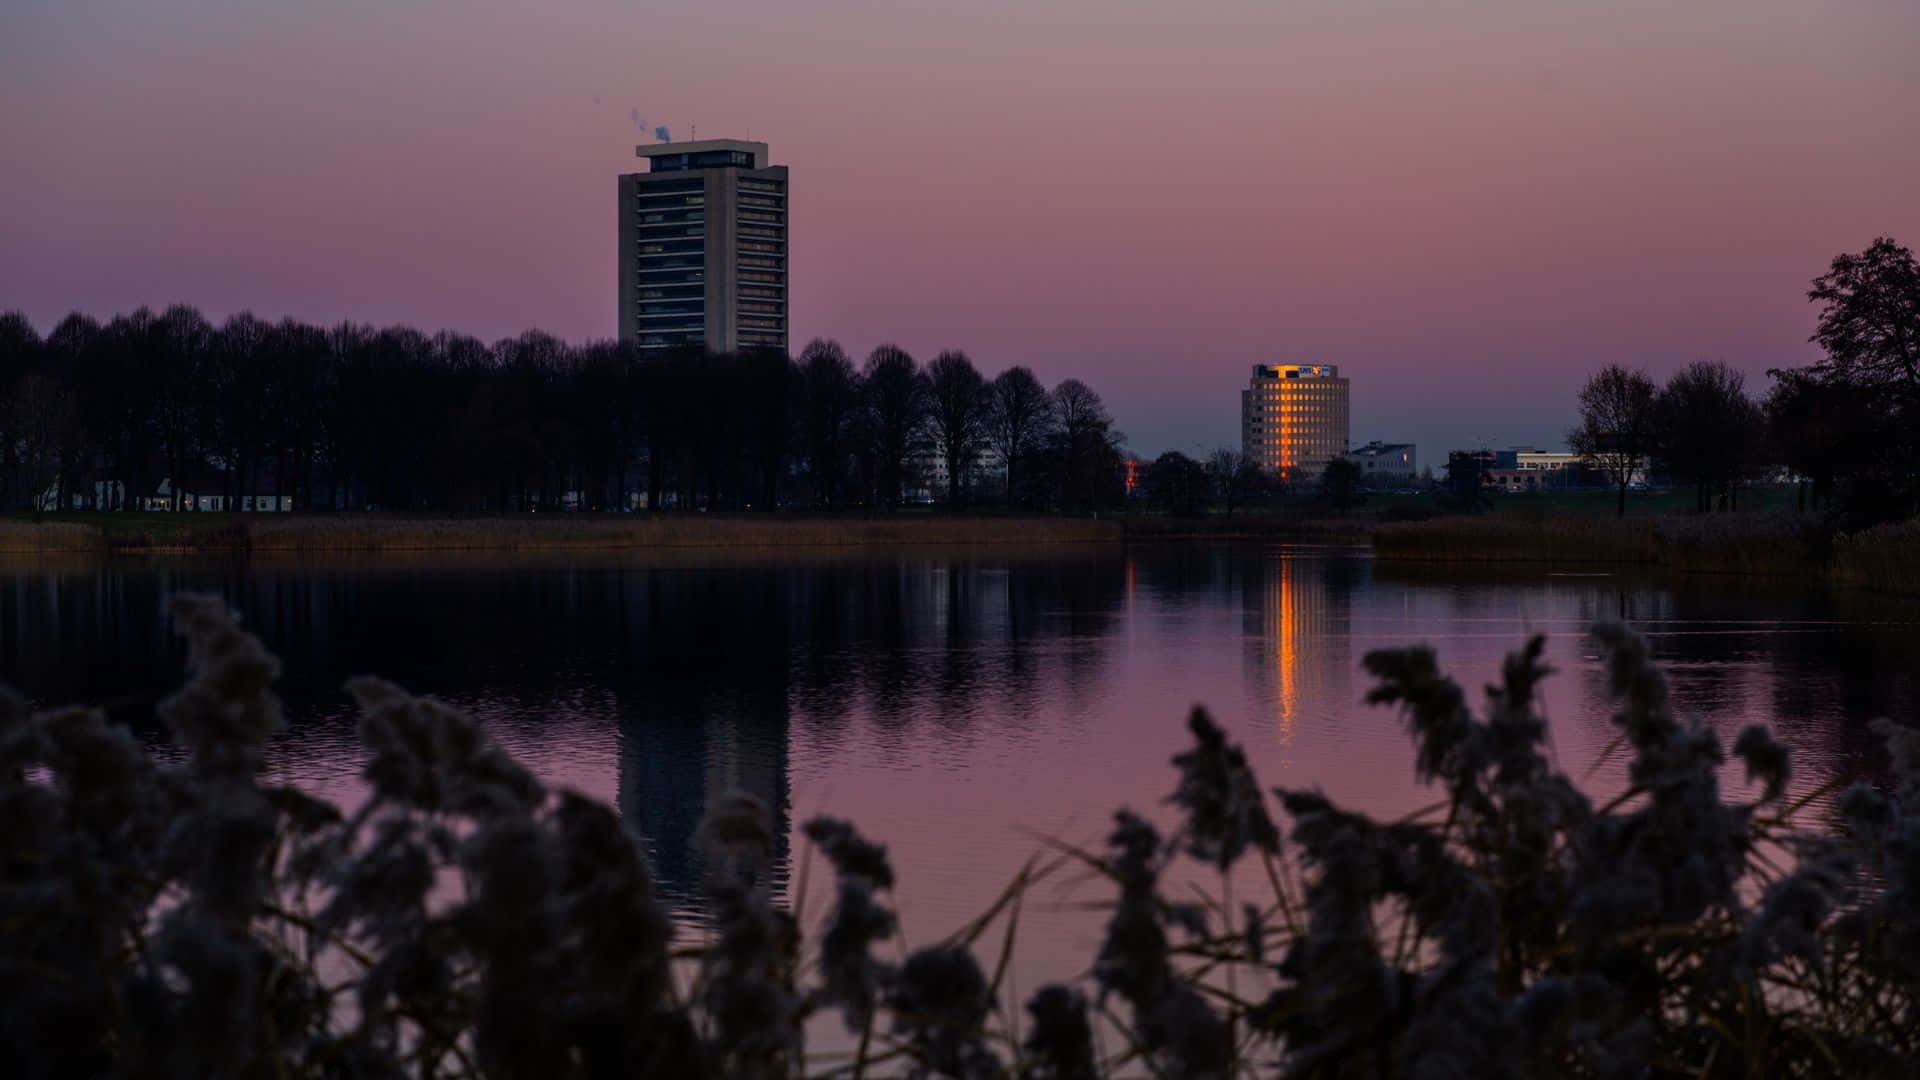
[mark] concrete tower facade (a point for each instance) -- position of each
(703, 247)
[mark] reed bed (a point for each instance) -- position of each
(1763, 544)
(1517, 538)
(560, 533)
(1251, 526)
(159, 533)
(380, 533)
(1886, 557)
(22, 537)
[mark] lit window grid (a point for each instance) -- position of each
(1295, 423)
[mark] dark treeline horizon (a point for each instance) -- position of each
(148, 407)
(1846, 427)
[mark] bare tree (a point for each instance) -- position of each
(185, 360)
(957, 396)
(1339, 483)
(19, 354)
(1080, 410)
(1235, 476)
(1616, 432)
(1176, 484)
(1089, 447)
(44, 422)
(1824, 431)
(829, 400)
(897, 409)
(1706, 428)
(1020, 419)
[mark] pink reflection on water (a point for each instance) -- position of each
(960, 725)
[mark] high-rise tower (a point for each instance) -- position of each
(703, 247)
(1293, 418)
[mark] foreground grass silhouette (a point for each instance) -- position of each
(189, 920)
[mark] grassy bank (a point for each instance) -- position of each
(1886, 558)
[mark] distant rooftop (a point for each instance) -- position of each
(1295, 371)
(703, 154)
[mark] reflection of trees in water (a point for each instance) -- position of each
(1191, 569)
(700, 674)
(1813, 666)
(898, 642)
(88, 634)
(686, 669)
(1615, 600)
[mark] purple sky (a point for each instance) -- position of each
(1466, 206)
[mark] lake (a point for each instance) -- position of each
(957, 705)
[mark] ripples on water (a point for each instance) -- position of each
(953, 705)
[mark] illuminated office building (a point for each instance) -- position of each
(1293, 418)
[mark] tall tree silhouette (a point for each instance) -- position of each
(1823, 430)
(830, 399)
(957, 396)
(1087, 453)
(20, 349)
(1020, 422)
(1869, 327)
(1870, 318)
(897, 411)
(1616, 432)
(1707, 429)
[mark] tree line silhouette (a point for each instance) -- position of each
(147, 409)
(1846, 427)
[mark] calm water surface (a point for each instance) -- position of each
(953, 705)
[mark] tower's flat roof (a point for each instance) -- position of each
(701, 146)
(1309, 370)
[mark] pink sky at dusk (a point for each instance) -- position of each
(1466, 206)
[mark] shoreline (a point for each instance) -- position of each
(1882, 559)
(149, 535)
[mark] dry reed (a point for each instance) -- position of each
(17, 537)
(1764, 544)
(1886, 558)
(372, 533)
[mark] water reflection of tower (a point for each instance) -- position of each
(1298, 631)
(704, 710)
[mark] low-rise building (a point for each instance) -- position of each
(1527, 468)
(926, 480)
(1527, 460)
(1386, 464)
(263, 501)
